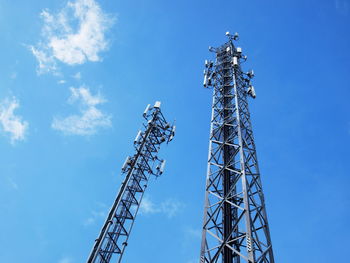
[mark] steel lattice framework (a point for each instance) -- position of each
(113, 238)
(235, 227)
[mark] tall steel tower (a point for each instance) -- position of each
(235, 227)
(113, 238)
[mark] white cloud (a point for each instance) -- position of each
(62, 81)
(169, 207)
(47, 62)
(74, 35)
(10, 123)
(90, 118)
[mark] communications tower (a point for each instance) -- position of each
(113, 238)
(235, 226)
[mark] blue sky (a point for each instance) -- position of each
(67, 126)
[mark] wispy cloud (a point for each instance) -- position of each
(90, 118)
(148, 207)
(97, 214)
(12, 183)
(10, 123)
(13, 75)
(193, 233)
(66, 260)
(169, 207)
(73, 35)
(191, 236)
(342, 6)
(77, 76)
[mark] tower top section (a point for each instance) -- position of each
(229, 59)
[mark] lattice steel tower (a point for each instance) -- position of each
(235, 227)
(112, 240)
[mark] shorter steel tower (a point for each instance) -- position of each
(113, 238)
(235, 227)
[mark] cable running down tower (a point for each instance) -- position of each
(113, 238)
(235, 226)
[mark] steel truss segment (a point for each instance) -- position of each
(235, 225)
(114, 235)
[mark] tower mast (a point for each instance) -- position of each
(235, 226)
(113, 238)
